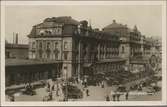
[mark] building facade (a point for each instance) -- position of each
(136, 48)
(17, 51)
(83, 50)
(22, 71)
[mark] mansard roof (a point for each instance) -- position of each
(62, 19)
(21, 62)
(52, 22)
(115, 25)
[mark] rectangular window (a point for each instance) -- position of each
(65, 55)
(123, 50)
(65, 45)
(56, 53)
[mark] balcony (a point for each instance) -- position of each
(32, 49)
(138, 60)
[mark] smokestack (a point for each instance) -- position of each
(16, 38)
(13, 38)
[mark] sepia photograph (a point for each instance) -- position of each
(83, 52)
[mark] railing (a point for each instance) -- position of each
(140, 59)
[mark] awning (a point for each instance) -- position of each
(114, 59)
(87, 64)
(20, 62)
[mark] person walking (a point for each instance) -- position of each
(12, 98)
(127, 95)
(57, 89)
(85, 82)
(50, 95)
(102, 84)
(107, 98)
(118, 96)
(87, 92)
(113, 96)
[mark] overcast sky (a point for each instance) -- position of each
(20, 19)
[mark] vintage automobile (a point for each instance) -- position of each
(121, 89)
(73, 92)
(29, 92)
(149, 90)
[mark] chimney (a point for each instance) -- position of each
(13, 38)
(114, 21)
(16, 38)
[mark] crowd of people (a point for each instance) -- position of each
(54, 89)
(116, 96)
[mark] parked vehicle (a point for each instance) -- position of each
(29, 92)
(121, 89)
(150, 90)
(72, 92)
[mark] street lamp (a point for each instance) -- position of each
(66, 85)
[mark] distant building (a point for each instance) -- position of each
(134, 47)
(21, 71)
(16, 50)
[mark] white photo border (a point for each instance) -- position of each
(77, 103)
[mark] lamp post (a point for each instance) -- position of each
(66, 85)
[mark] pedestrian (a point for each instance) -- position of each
(85, 82)
(102, 84)
(113, 97)
(87, 92)
(26, 85)
(107, 98)
(12, 98)
(127, 95)
(57, 92)
(118, 96)
(50, 95)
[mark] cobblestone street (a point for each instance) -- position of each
(96, 93)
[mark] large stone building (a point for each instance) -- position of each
(136, 48)
(84, 50)
(81, 49)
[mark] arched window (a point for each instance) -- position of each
(65, 55)
(40, 45)
(56, 53)
(33, 45)
(40, 50)
(56, 45)
(48, 46)
(48, 50)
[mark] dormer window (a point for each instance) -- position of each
(41, 32)
(58, 31)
